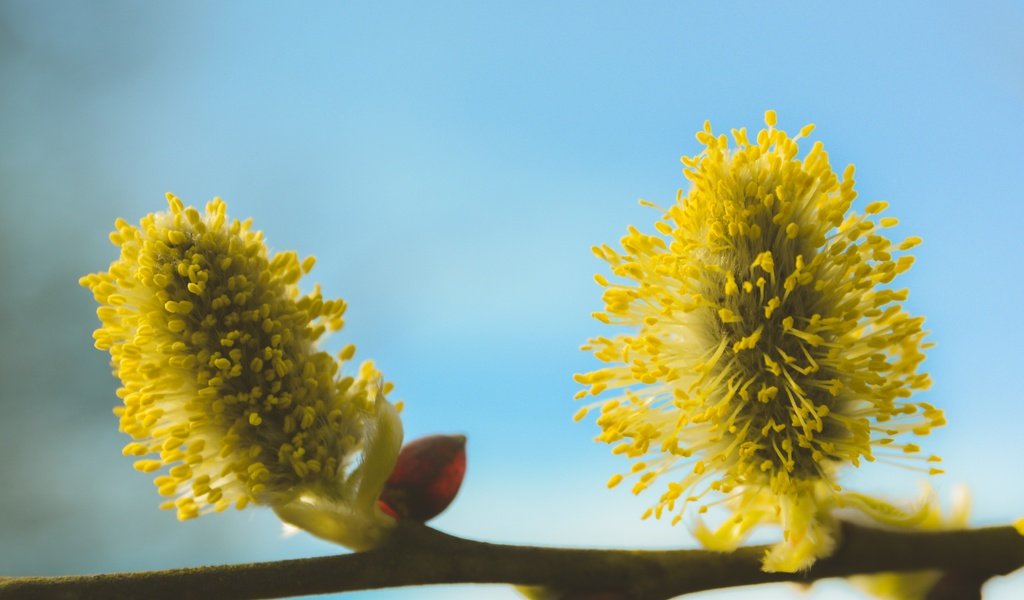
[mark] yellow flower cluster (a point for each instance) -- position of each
(226, 396)
(765, 345)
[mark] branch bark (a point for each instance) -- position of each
(418, 555)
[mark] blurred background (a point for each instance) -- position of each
(450, 164)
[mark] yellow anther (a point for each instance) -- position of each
(876, 207)
(731, 289)
(147, 466)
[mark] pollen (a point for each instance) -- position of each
(763, 344)
(226, 398)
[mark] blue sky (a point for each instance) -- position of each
(450, 165)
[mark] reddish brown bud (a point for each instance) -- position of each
(426, 478)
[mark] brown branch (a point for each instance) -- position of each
(418, 555)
